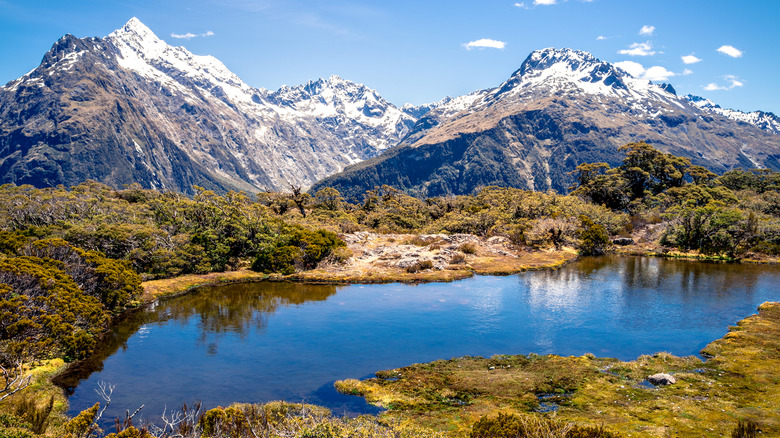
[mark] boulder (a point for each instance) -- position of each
(623, 241)
(661, 379)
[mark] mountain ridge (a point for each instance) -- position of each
(223, 133)
(562, 107)
(128, 108)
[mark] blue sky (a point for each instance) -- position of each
(419, 51)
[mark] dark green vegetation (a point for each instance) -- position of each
(728, 215)
(70, 257)
(55, 299)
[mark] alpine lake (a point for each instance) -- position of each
(258, 342)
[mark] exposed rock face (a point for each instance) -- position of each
(662, 379)
(764, 120)
(130, 108)
(560, 109)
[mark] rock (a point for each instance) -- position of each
(623, 241)
(498, 240)
(661, 379)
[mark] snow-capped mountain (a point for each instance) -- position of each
(764, 120)
(562, 107)
(131, 108)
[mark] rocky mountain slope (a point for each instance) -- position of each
(764, 120)
(130, 108)
(561, 108)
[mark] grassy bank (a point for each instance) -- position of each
(738, 382)
(169, 287)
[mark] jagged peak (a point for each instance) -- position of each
(545, 58)
(563, 68)
(700, 101)
(137, 35)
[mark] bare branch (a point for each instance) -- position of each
(14, 379)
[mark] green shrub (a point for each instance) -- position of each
(594, 239)
(279, 259)
(16, 432)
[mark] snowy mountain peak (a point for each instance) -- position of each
(141, 51)
(546, 58)
(764, 120)
(138, 36)
(337, 97)
(568, 66)
(700, 101)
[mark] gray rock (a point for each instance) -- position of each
(661, 379)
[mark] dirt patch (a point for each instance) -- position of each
(431, 257)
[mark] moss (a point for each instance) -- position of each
(738, 383)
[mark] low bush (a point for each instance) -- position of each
(419, 266)
(297, 248)
(457, 259)
(745, 429)
(468, 248)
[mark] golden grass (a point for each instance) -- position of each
(41, 390)
(525, 261)
(155, 289)
(380, 275)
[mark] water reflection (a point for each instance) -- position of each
(235, 309)
(270, 341)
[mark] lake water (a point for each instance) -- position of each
(278, 341)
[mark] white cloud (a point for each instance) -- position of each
(485, 43)
(635, 69)
(712, 86)
(690, 59)
(600, 38)
(734, 82)
(687, 72)
(190, 35)
(185, 36)
(545, 2)
(730, 51)
(639, 49)
(657, 73)
(647, 30)
(521, 5)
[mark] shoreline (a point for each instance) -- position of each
(479, 264)
(385, 258)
